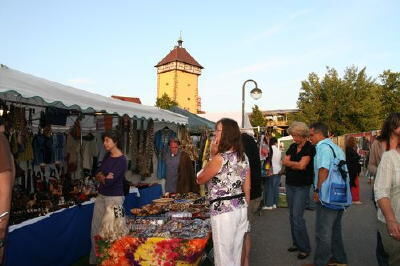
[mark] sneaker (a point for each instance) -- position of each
(274, 206)
(267, 208)
(357, 202)
(292, 249)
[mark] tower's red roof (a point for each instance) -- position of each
(179, 54)
(127, 99)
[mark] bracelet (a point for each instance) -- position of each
(4, 214)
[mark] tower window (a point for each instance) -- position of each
(167, 84)
(188, 99)
(188, 84)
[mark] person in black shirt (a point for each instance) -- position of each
(252, 152)
(299, 176)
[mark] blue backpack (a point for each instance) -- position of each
(335, 190)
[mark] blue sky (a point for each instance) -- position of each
(111, 47)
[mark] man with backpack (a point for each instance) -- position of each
(329, 243)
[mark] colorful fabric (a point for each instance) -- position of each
(27, 153)
(149, 148)
(134, 145)
(129, 250)
(228, 182)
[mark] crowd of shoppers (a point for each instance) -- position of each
(307, 163)
(237, 171)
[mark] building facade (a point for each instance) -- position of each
(177, 76)
(277, 120)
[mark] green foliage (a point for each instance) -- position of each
(348, 104)
(390, 97)
(257, 117)
(276, 134)
(165, 102)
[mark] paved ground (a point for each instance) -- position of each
(271, 234)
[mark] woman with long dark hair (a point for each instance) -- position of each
(228, 181)
(354, 167)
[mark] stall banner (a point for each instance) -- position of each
(130, 250)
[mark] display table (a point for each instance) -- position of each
(62, 237)
(146, 196)
(129, 250)
(165, 233)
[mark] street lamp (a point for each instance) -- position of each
(254, 93)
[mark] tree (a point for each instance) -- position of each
(165, 102)
(390, 97)
(348, 104)
(257, 117)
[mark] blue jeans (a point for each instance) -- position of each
(310, 204)
(328, 236)
(271, 190)
(296, 198)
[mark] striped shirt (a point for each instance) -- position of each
(387, 183)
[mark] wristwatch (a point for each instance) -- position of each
(316, 190)
(2, 243)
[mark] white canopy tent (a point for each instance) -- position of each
(19, 87)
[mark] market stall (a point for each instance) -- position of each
(55, 136)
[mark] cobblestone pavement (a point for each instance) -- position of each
(271, 234)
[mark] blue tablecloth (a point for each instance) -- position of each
(64, 237)
(150, 193)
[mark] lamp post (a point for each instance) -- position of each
(254, 93)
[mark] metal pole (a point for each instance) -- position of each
(243, 87)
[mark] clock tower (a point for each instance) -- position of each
(177, 76)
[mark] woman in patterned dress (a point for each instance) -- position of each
(228, 181)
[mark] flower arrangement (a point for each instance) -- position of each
(129, 250)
